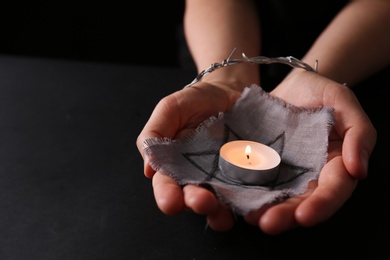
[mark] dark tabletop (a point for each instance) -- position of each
(72, 183)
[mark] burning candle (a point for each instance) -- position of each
(249, 162)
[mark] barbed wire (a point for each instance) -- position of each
(289, 60)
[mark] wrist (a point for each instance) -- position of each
(235, 77)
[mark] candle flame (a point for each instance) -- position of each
(248, 151)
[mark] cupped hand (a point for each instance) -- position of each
(351, 142)
(175, 116)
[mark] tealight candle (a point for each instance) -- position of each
(249, 162)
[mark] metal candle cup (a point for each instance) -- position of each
(248, 162)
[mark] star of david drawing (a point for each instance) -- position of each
(212, 168)
(300, 136)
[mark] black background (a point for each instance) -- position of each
(71, 183)
(132, 32)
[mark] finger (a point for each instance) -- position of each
(222, 219)
(280, 218)
(253, 217)
(359, 142)
(276, 218)
(335, 186)
(148, 170)
(355, 127)
(168, 194)
(157, 127)
(200, 200)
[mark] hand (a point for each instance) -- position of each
(353, 132)
(350, 145)
(175, 116)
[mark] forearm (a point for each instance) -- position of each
(214, 28)
(356, 44)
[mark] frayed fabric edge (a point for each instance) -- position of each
(280, 102)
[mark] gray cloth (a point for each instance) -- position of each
(298, 134)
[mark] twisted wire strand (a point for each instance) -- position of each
(289, 60)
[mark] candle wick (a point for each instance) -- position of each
(247, 156)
